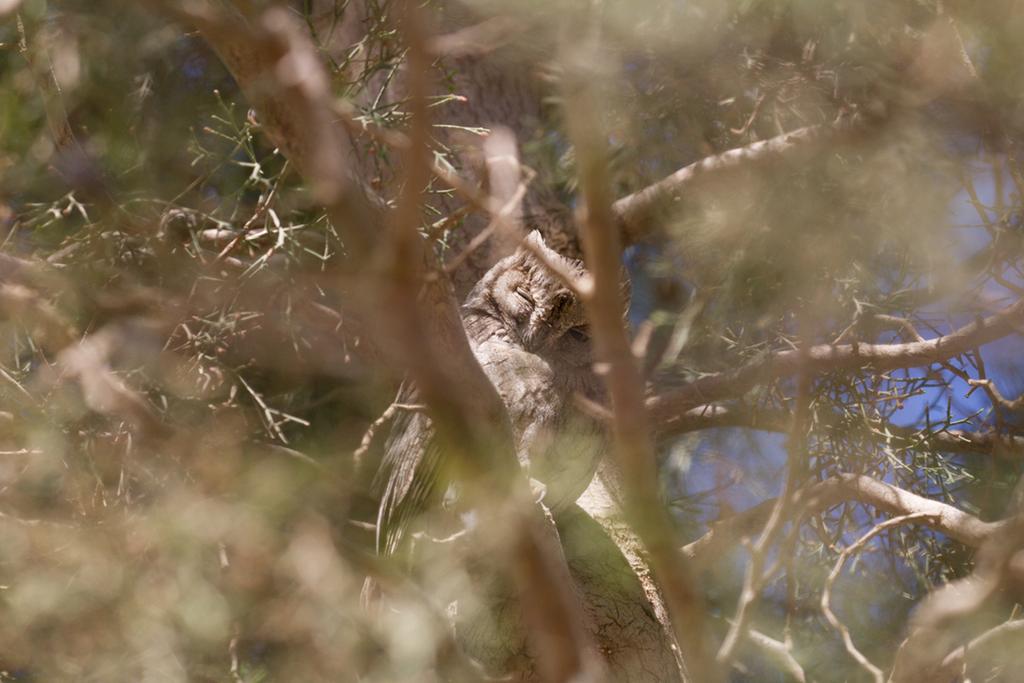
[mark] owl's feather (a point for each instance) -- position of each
(528, 331)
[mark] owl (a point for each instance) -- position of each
(530, 335)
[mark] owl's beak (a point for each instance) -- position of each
(530, 339)
(537, 336)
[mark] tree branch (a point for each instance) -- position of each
(826, 593)
(889, 499)
(991, 647)
(937, 625)
(948, 440)
(635, 214)
(280, 74)
(779, 653)
(634, 449)
(831, 358)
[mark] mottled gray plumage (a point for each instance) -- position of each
(529, 333)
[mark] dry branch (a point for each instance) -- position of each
(958, 441)
(84, 360)
(826, 593)
(636, 214)
(990, 648)
(279, 72)
(87, 362)
(936, 627)
(46, 325)
(833, 358)
(779, 653)
(889, 499)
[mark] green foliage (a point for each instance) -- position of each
(187, 374)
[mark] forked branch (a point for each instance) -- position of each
(886, 498)
(835, 357)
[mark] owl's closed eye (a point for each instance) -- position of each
(531, 337)
(580, 333)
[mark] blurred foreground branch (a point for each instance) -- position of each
(633, 447)
(638, 213)
(280, 73)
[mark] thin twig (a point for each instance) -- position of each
(477, 198)
(780, 514)
(875, 672)
(385, 417)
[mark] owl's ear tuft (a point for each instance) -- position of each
(536, 238)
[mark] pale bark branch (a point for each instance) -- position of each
(997, 397)
(990, 647)
(778, 652)
(87, 362)
(1009, 446)
(636, 214)
(953, 522)
(937, 624)
(833, 358)
(84, 360)
(826, 593)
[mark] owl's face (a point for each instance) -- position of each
(533, 308)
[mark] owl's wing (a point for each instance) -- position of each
(408, 474)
